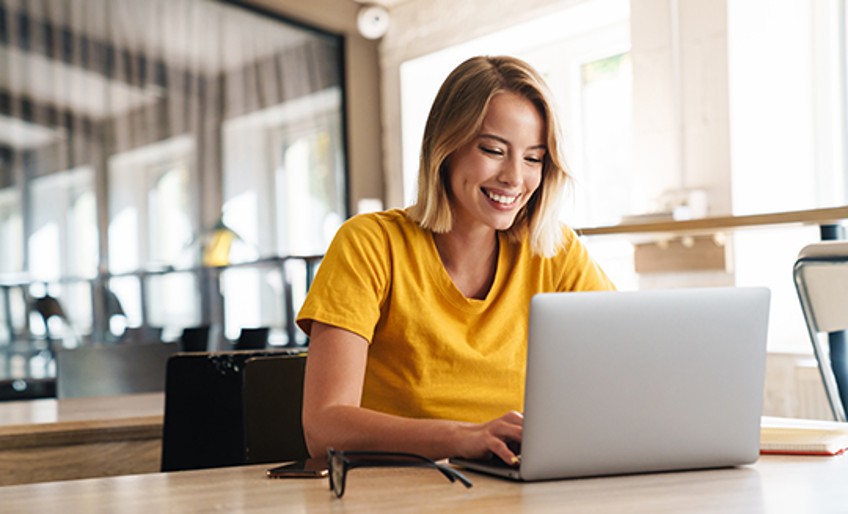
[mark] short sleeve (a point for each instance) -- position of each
(352, 281)
(579, 272)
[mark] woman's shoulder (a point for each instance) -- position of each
(386, 223)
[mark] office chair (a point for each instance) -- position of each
(195, 339)
(821, 280)
(47, 307)
(27, 389)
(220, 410)
(142, 334)
(252, 338)
(112, 369)
(113, 309)
(273, 400)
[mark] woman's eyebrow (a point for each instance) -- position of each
(506, 142)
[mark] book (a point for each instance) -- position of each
(802, 436)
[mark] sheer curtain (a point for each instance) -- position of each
(183, 114)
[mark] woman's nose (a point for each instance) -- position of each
(510, 172)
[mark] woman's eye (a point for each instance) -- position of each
(491, 151)
(533, 159)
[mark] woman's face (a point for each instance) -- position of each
(493, 176)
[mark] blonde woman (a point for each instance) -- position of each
(418, 317)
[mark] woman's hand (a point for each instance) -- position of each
(478, 440)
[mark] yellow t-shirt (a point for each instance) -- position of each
(433, 352)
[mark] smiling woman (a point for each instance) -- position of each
(418, 317)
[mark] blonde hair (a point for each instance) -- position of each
(455, 119)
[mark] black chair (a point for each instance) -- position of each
(48, 307)
(142, 334)
(252, 338)
(273, 399)
(195, 339)
(220, 410)
(112, 369)
(12, 390)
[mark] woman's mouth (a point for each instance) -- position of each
(505, 200)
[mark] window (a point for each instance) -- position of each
(64, 238)
(151, 228)
(307, 175)
(296, 187)
(11, 231)
(606, 115)
(149, 206)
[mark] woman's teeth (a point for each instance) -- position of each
(501, 199)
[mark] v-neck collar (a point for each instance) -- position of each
(447, 286)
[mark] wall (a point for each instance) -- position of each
(362, 83)
(681, 130)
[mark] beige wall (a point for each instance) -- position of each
(681, 127)
(362, 88)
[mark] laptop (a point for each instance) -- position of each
(644, 381)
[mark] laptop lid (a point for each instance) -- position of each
(626, 382)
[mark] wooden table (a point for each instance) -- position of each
(774, 484)
(45, 440)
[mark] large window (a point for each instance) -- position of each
(132, 133)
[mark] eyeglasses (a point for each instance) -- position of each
(340, 462)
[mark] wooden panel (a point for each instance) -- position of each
(80, 409)
(48, 440)
(51, 463)
(696, 253)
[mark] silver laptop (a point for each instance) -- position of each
(646, 381)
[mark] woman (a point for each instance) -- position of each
(418, 318)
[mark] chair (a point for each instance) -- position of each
(195, 339)
(821, 280)
(142, 334)
(220, 411)
(273, 399)
(252, 338)
(113, 309)
(27, 389)
(47, 307)
(112, 369)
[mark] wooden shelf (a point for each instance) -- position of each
(713, 224)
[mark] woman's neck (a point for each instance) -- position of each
(470, 258)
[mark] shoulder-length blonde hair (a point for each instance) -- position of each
(456, 118)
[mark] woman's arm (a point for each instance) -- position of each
(332, 416)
